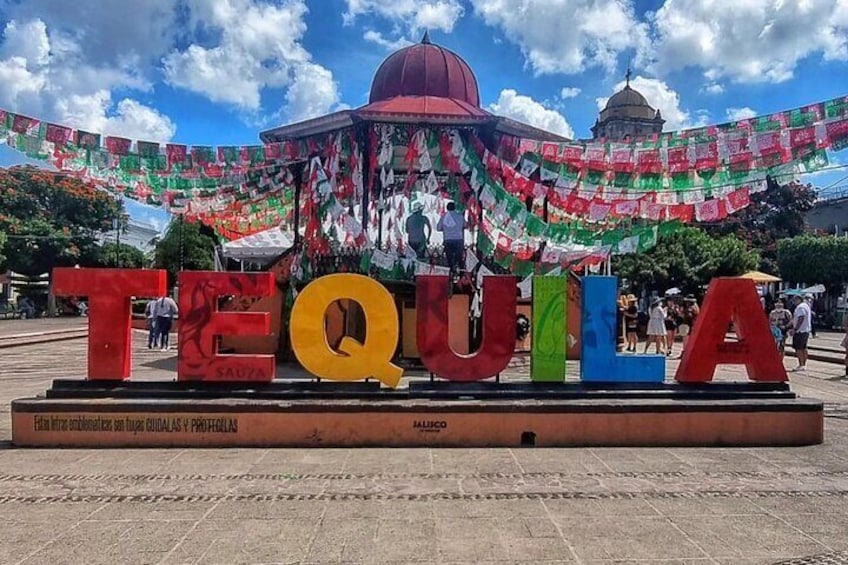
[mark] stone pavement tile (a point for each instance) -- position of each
(472, 549)
(820, 505)
(385, 461)
(268, 509)
(217, 461)
(599, 507)
(370, 509)
(705, 507)
(59, 515)
(828, 529)
(748, 537)
(705, 561)
(493, 460)
(92, 542)
(556, 460)
(639, 459)
(626, 537)
(19, 538)
(155, 536)
(532, 550)
(488, 508)
(299, 461)
(245, 541)
(172, 510)
(717, 460)
(333, 536)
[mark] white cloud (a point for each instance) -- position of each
(47, 77)
(525, 109)
(569, 92)
(735, 114)
(415, 15)
(311, 93)
(258, 47)
(559, 36)
(660, 96)
(106, 32)
(750, 41)
(714, 88)
(387, 44)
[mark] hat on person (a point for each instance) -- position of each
(689, 298)
(417, 207)
(808, 297)
(656, 301)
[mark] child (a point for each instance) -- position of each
(777, 334)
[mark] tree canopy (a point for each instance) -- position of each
(811, 259)
(124, 256)
(197, 249)
(687, 259)
(774, 214)
(51, 219)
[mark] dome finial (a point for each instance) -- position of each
(426, 39)
(627, 76)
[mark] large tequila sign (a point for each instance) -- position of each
(109, 348)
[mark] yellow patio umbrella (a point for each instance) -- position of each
(761, 278)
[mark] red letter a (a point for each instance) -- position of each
(498, 345)
(736, 300)
(109, 312)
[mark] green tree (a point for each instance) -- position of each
(50, 219)
(774, 214)
(125, 256)
(814, 259)
(198, 248)
(688, 260)
(2, 257)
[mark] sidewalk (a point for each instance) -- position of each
(39, 326)
(654, 506)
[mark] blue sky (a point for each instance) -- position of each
(218, 71)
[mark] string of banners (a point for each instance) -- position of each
(700, 174)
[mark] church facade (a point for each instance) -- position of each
(627, 116)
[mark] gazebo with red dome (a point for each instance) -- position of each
(423, 85)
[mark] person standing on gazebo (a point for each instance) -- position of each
(415, 228)
(452, 225)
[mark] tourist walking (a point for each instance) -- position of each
(150, 314)
(631, 322)
(656, 326)
(801, 326)
(452, 225)
(166, 311)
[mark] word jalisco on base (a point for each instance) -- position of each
(109, 348)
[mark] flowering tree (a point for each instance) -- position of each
(51, 219)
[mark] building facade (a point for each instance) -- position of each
(627, 116)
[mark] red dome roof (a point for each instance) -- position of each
(425, 69)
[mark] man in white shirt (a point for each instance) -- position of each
(802, 323)
(166, 311)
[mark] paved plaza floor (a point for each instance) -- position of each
(663, 506)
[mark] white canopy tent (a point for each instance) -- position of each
(260, 247)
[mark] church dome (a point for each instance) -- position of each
(628, 103)
(425, 69)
